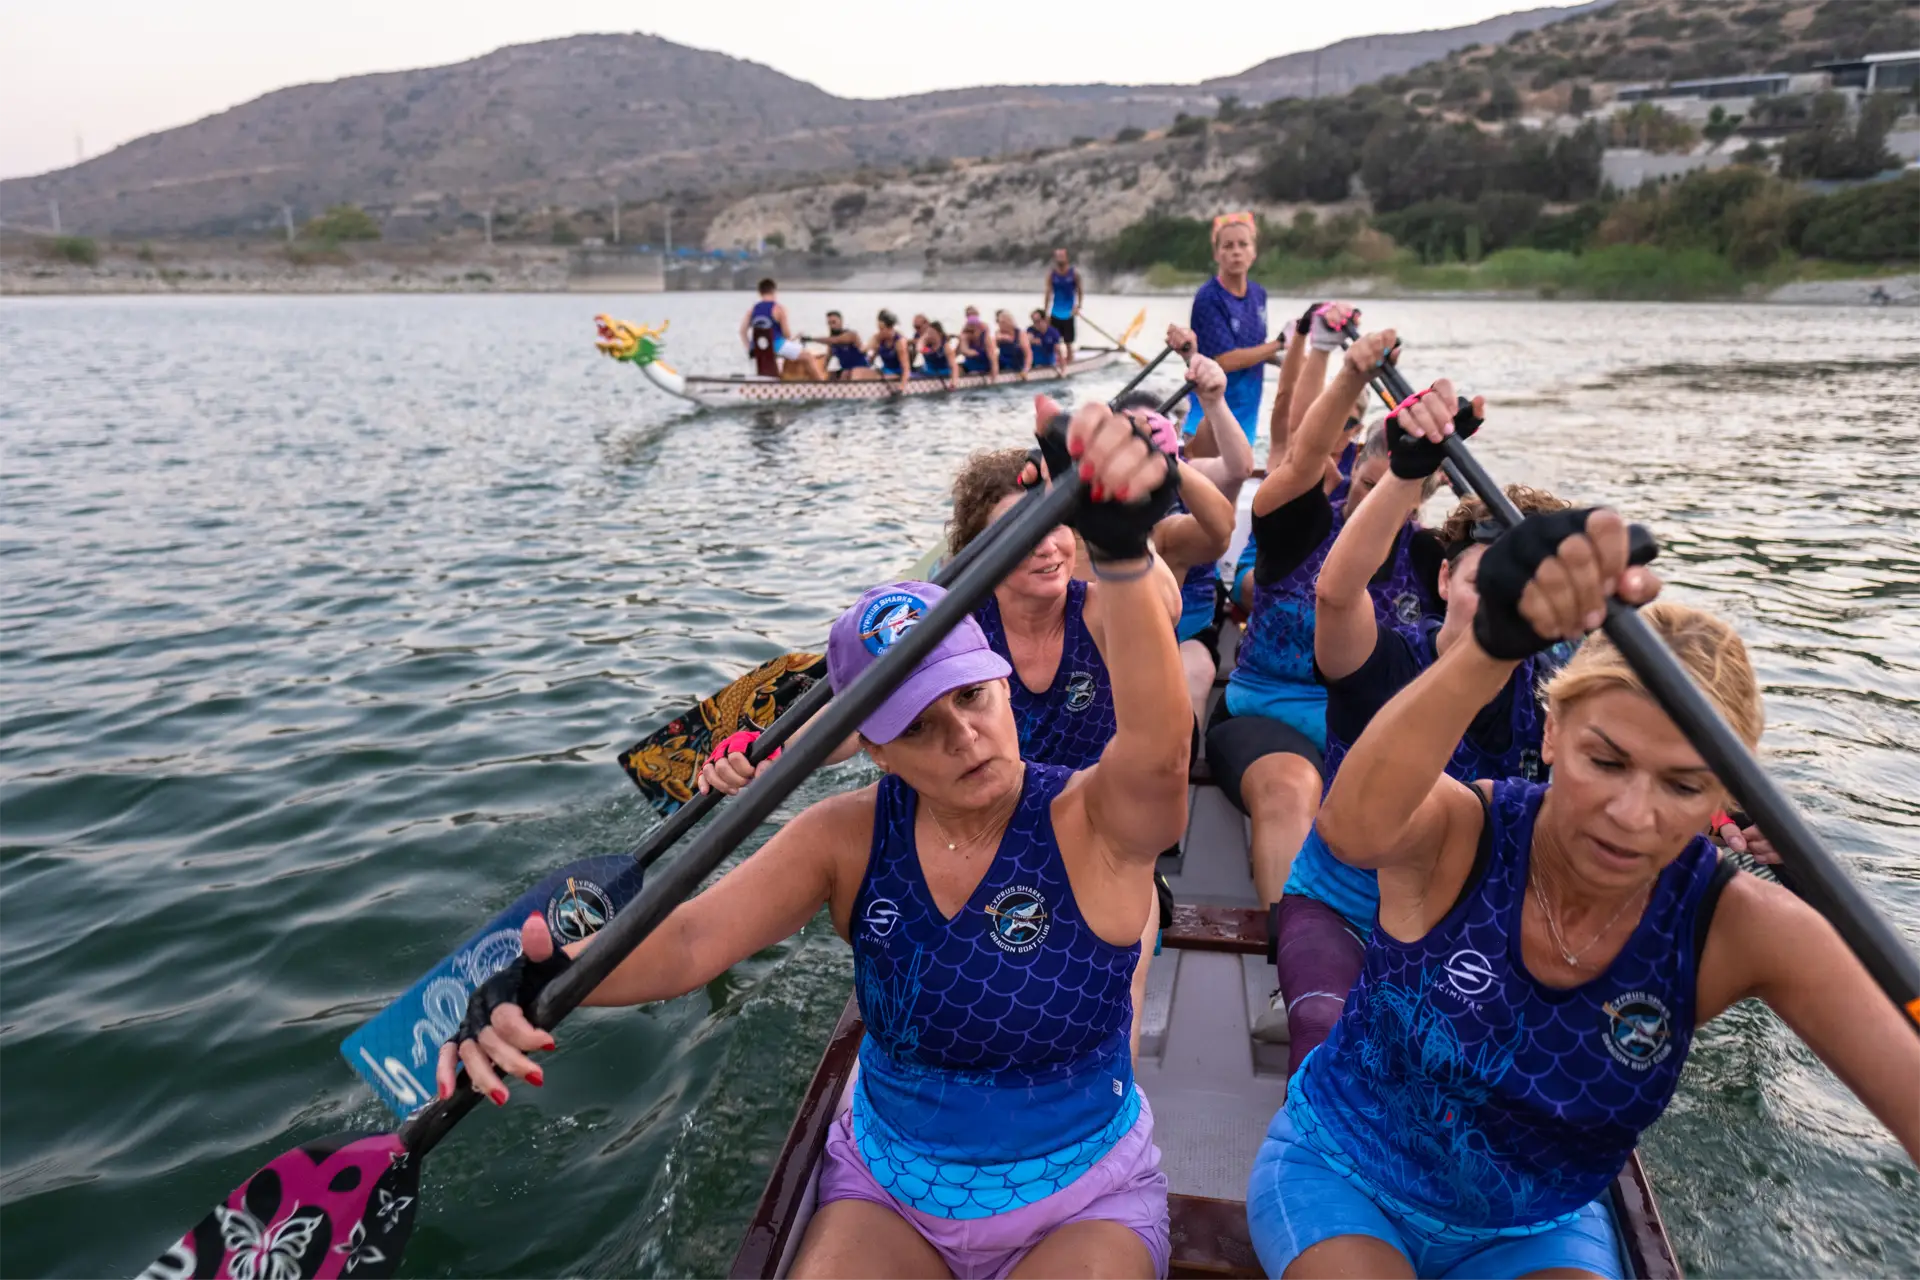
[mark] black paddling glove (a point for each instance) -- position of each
(1113, 530)
(519, 983)
(1304, 325)
(1412, 458)
(1505, 570)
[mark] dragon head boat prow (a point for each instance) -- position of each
(640, 346)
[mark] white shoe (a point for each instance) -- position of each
(1271, 1026)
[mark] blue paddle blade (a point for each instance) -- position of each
(396, 1051)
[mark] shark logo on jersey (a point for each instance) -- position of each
(1018, 919)
(1639, 1030)
(1080, 691)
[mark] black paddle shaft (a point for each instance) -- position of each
(1010, 542)
(1141, 376)
(1818, 875)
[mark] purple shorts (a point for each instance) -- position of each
(1125, 1186)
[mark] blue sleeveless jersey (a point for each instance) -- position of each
(887, 354)
(1464, 1095)
(1010, 357)
(849, 355)
(934, 362)
(1063, 283)
(1044, 344)
(1197, 600)
(996, 1067)
(763, 319)
(1355, 891)
(1071, 721)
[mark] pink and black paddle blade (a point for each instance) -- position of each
(341, 1206)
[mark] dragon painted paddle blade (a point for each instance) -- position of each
(666, 763)
(341, 1206)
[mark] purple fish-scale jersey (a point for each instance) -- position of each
(1071, 721)
(996, 1067)
(1469, 1097)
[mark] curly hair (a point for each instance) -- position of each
(1457, 528)
(983, 479)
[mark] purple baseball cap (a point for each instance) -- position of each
(882, 616)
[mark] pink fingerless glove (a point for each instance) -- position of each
(738, 741)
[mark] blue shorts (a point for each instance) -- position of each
(1295, 1200)
(1352, 891)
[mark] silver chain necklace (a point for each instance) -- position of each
(1559, 940)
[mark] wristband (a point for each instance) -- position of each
(1123, 575)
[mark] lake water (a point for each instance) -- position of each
(322, 620)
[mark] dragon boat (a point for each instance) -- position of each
(641, 345)
(1213, 1087)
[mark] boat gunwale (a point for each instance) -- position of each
(727, 391)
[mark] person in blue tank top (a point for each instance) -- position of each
(845, 351)
(766, 327)
(1062, 300)
(1543, 954)
(1010, 341)
(936, 356)
(891, 350)
(1045, 340)
(1229, 318)
(1329, 907)
(974, 349)
(1265, 738)
(993, 905)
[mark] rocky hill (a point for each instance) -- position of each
(575, 123)
(1016, 207)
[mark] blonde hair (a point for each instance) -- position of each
(1708, 647)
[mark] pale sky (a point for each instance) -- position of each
(107, 71)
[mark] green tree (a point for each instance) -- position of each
(1720, 126)
(1308, 164)
(1231, 109)
(1580, 101)
(1503, 103)
(1130, 134)
(1186, 126)
(1179, 242)
(1831, 150)
(1871, 223)
(342, 222)
(1645, 125)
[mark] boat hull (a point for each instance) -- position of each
(736, 392)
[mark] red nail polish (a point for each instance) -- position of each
(551, 1044)
(536, 1079)
(1075, 448)
(444, 1091)
(499, 1097)
(1086, 471)
(1094, 493)
(1120, 494)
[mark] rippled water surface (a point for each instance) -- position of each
(322, 620)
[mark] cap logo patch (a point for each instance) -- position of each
(888, 618)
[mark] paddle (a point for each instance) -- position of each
(1141, 376)
(345, 1204)
(1818, 875)
(1120, 343)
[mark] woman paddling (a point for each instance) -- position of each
(974, 346)
(993, 906)
(1329, 907)
(1046, 341)
(1267, 733)
(1544, 953)
(1012, 345)
(936, 360)
(891, 351)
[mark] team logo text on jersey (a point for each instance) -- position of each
(1080, 691)
(882, 915)
(581, 910)
(1469, 973)
(1017, 919)
(888, 618)
(1639, 1030)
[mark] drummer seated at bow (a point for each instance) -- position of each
(1544, 954)
(994, 906)
(768, 336)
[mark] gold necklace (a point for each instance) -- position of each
(1559, 940)
(952, 844)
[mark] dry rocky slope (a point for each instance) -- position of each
(578, 121)
(1015, 208)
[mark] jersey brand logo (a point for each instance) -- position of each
(1017, 919)
(881, 916)
(1469, 973)
(1406, 607)
(1080, 691)
(1639, 1030)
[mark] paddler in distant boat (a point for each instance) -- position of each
(1010, 342)
(844, 351)
(1229, 319)
(975, 350)
(936, 355)
(994, 1122)
(1544, 954)
(1046, 342)
(891, 352)
(765, 330)
(1062, 300)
